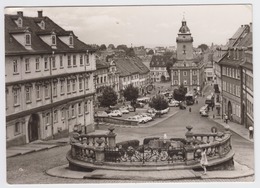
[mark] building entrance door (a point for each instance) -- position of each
(33, 127)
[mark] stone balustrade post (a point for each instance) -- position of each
(189, 153)
(189, 135)
(99, 152)
(111, 138)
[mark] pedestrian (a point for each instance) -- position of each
(212, 107)
(190, 109)
(251, 132)
(204, 160)
(197, 101)
(226, 118)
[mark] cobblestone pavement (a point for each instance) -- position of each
(30, 168)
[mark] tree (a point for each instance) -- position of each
(108, 97)
(122, 47)
(159, 103)
(131, 94)
(179, 94)
(111, 46)
(203, 47)
(130, 52)
(102, 47)
(150, 52)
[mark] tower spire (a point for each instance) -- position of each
(183, 16)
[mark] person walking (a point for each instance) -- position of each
(190, 109)
(226, 118)
(251, 132)
(204, 160)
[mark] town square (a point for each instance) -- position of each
(118, 94)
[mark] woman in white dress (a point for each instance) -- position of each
(204, 160)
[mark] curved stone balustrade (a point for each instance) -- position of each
(102, 150)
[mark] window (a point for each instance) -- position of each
(101, 80)
(47, 118)
(87, 84)
(68, 86)
(38, 92)
(87, 59)
(194, 72)
(61, 87)
(27, 65)
(184, 73)
(238, 91)
(233, 73)
(81, 60)
(28, 94)
(15, 66)
(53, 40)
(71, 40)
(97, 80)
(46, 91)
(69, 61)
(74, 60)
(224, 86)
(224, 71)
(105, 79)
(27, 39)
(86, 107)
(62, 113)
(74, 85)
(17, 128)
(55, 114)
(61, 61)
(175, 73)
(175, 82)
(238, 74)
(185, 82)
(227, 71)
(80, 84)
(79, 109)
(16, 97)
(55, 89)
(37, 64)
(53, 62)
(72, 111)
(45, 63)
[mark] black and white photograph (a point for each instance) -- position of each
(129, 94)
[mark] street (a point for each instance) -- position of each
(31, 168)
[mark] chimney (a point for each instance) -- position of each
(40, 14)
(20, 13)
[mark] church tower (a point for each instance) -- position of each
(184, 43)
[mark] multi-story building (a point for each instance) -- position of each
(158, 70)
(48, 79)
(231, 74)
(247, 97)
(106, 75)
(186, 70)
(132, 71)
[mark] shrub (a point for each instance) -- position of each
(147, 140)
(126, 144)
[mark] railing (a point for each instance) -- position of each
(102, 148)
(117, 121)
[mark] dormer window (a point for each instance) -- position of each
(71, 40)
(20, 22)
(28, 39)
(42, 24)
(53, 40)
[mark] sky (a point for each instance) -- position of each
(149, 26)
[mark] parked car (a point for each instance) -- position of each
(152, 115)
(148, 118)
(204, 108)
(165, 111)
(124, 110)
(152, 110)
(115, 113)
(141, 118)
(130, 108)
(101, 114)
(204, 114)
(174, 103)
(139, 105)
(137, 118)
(182, 106)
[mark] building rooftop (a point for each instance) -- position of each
(31, 25)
